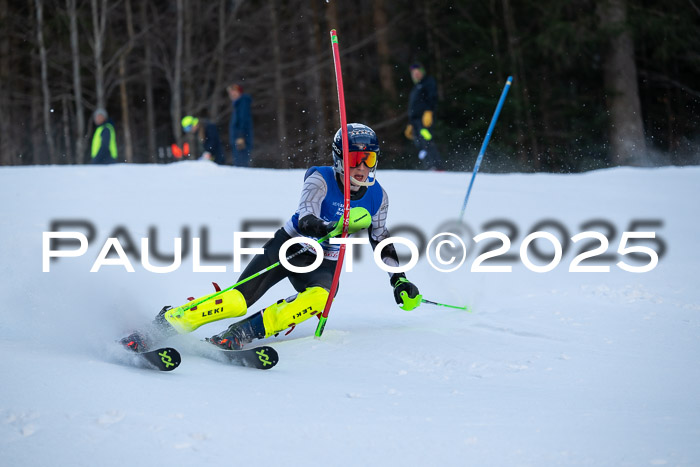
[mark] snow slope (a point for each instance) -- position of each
(555, 368)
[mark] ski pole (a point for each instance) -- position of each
(251, 277)
(346, 184)
(486, 142)
(465, 308)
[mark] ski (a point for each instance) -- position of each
(163, 359)
(262, 358)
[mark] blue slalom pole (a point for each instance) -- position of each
(486, 142)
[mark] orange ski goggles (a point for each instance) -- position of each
(358, 157)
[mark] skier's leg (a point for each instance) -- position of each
(232, 303)
(293, 310)
(253, 289)
(310, 300)
(229, 304)
(283, 314)
(312, 288)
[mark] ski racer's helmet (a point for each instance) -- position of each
(363, 146)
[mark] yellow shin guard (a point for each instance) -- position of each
(294, 310)
(229, 304)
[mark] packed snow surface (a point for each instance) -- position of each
(548, 368)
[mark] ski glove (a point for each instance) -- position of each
(408, 132)
(406, 294)
(358, 219)
(427, 118)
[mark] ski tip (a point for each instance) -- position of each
(166, 359)
(267, 357)
(262, 357)
(163, 359)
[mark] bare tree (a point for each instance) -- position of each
(77, 82)
(332, 15)
(6, 136)
(175, 77)
(99, 24)
(525, 110)
(386, 74)
(315, 82)
(220, 61)
(189, 69)
(67, 139)
(332, 21)
(123, 78)
(433, 46)
(279, 87)
(627, 143)
(179, 56)
(46, 93)
(148, 82)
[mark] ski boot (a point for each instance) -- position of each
(159, 330)
(136, 342)
(161, 327)
(239, 334)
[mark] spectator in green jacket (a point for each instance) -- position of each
(104, 141)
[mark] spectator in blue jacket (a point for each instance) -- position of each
(208, 136)
(104, 141)
(421, 107)
(240, 129)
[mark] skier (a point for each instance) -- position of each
(319, 214)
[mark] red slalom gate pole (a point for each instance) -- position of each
(346, 184)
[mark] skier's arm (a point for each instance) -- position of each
(379, 232)
(406, 293)
(311, 225)
(312, 194)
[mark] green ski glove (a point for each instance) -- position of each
(406, 294)
(358, 219)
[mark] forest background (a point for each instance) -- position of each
(596, 83)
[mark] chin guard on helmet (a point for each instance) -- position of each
(360, 138)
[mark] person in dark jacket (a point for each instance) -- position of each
(240, 129)
(208, 136)
(421, 107)
(104, 141)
